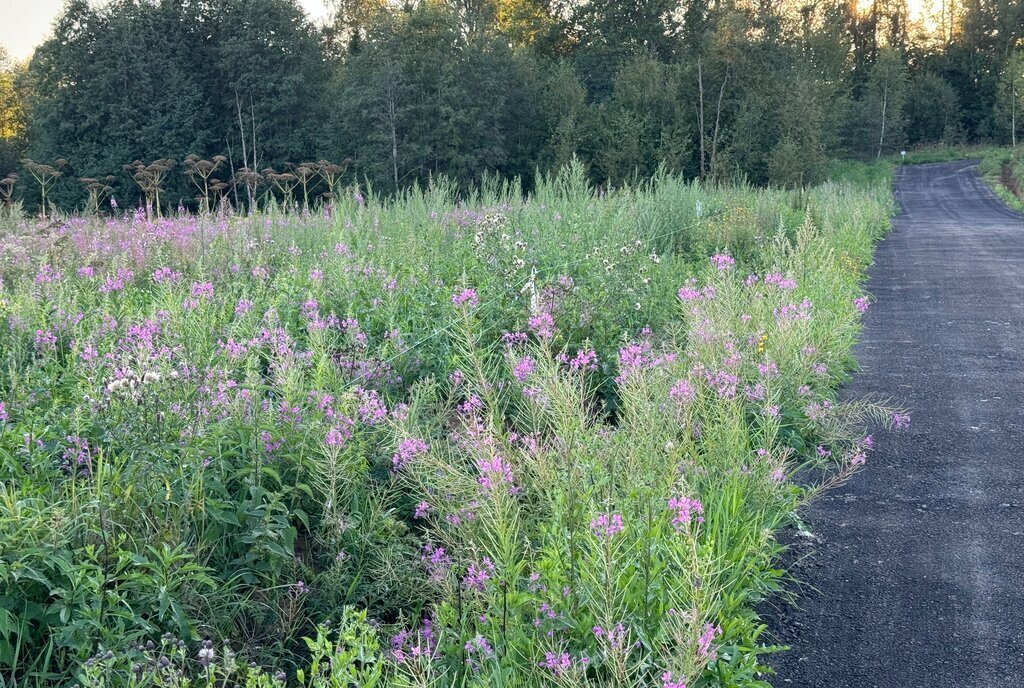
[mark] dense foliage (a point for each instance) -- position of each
(533, 442)
(398, 93)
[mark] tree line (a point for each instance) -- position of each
(397, 93)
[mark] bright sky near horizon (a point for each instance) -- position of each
(25, 24)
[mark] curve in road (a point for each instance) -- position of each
(918, 577)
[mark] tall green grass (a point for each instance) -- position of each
(496, 441)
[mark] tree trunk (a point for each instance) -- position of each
(881, 136)
(245, 154)
(700, 115)
(718, 119)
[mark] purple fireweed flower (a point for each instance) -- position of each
(512, 339)
(202, 289)
(232, 349)
(3, 412)
(689, 291)
(685, 511)
(607, 526)
(636, 356)
(476, 577)
(682, 392)
(372, 410)
(617, 637)
(755, 393)
(477, 650)
(778, 280)
(471, 405)
(466, 297)
(583, 360)
(557, 664)
(45, 340)
(667, 682)
(166, 274)
(408, 449)
(543, 325)
(242, 307)
(437, 563)
(422, 509)
(861, 304)
(704, 648)
(495, 472)
(901, 421)
(48, 275)
(338, 435)
(722, 261)
(116, 282)
(723, 382)
(77, 453)
(632, 358)
(523, 369)
(87, 272)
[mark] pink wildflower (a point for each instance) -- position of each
(466, 297)
(686, 511)
(682, 392)
(722, 261)
(543, 325)
(523, 369)
(408, 449)
(607, 526)
(667, 682)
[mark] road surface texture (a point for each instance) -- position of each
(915, 578)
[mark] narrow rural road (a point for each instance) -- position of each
(917, 578)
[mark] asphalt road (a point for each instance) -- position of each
(916, 579)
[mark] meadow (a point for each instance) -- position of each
(434, 440)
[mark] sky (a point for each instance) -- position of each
(25, 24)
